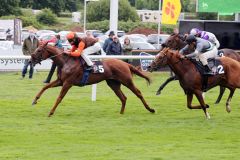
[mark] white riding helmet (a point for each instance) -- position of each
(194, 31)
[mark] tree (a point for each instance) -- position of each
(9, 7)
(100, 10)
(47, 17)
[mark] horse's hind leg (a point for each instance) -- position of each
(132, 87)
(202, 103)
(165, 83)
(55, 83)
(222, 90)
(228, 108)
(116, 87)
(64, 90)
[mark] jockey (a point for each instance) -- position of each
(83, 47)
(205, 35)
(204, 50)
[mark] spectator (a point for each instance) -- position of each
(30, 44)
(58, 44)
(108, 41)
(127, 48)
(114, 48)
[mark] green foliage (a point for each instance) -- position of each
(188, 6)
(147, 4)
(9, 7)
(100, 10)
(55, 5)
(30, 21)
(206, 16)
(65, 14)
(47, 17)
(129, 26)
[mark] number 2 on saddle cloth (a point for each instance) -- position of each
(97, 68)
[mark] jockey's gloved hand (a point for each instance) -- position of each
(183, 57)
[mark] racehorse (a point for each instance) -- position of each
(70, 72)
(191, 81)
(176, 42)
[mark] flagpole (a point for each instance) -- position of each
(159, 23)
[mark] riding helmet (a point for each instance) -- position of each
(190, 39)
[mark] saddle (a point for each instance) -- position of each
(97, 69)
(214, 64)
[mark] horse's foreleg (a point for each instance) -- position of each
(116, 87)
(132, 87)
(228, 108)
(63, 92)
(189, 102)
(222, 90)
(165, 83)
(202, 103)
(55, 83)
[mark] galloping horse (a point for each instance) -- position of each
(176, 42)
(191, 81)
(70, 71)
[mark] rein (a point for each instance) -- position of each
(54, 56)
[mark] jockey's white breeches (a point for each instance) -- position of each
(209, 54)
(90, 50)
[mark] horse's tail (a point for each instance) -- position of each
(139, 73)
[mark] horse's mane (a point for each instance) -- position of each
(59, 52)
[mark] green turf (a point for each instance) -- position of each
(81, 129)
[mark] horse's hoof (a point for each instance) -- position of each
(228, 109)
(152, 110)
(158, 93)
(50, 114)
(207, 106)
(34, 102)
(217, 102)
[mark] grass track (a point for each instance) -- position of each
(81, 129)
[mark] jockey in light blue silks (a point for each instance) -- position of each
(203, 50)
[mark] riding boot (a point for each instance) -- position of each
(89, 68)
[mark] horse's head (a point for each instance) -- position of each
(159, 61)
(39, 54)
(175, 41)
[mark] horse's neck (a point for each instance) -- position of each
(57, 57)
(181, 44)
(179, 67)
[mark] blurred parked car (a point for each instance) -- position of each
(153, 38)
(40, 32)
(95, 33)
(143, 46)
(81, 34)
(140, 35)
(133, 38)
(119, 33)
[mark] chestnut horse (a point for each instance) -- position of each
(70, 71)
(176, 42)
(191, 80)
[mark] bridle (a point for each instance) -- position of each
(39, 58)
